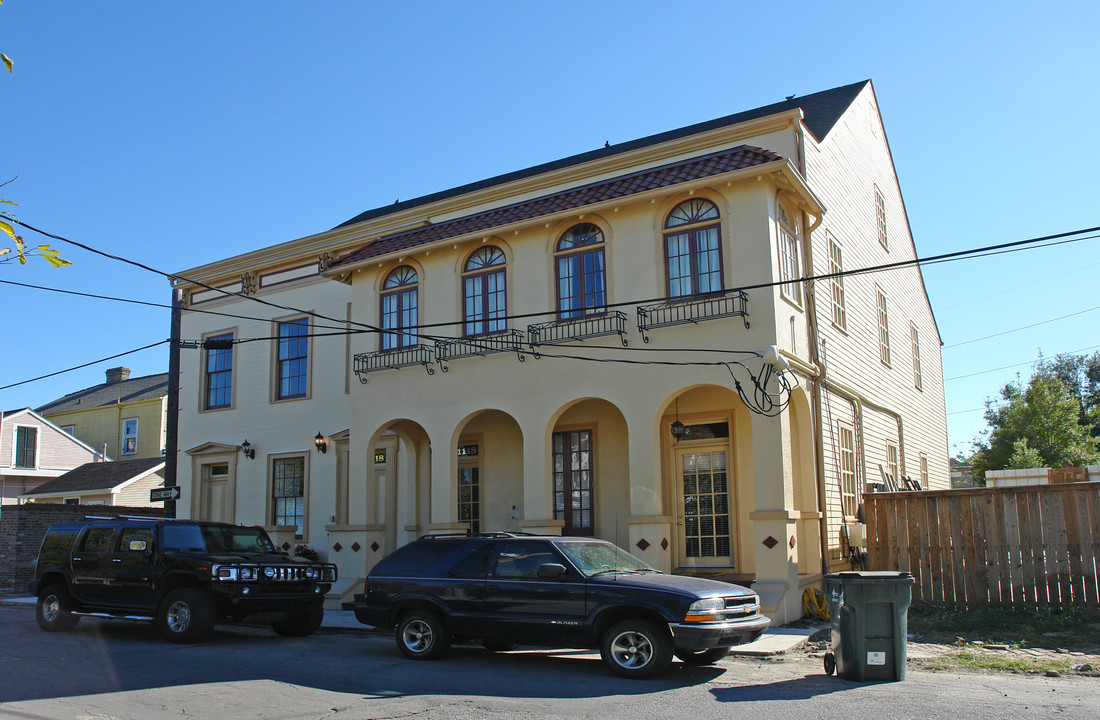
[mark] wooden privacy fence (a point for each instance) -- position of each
(1015, 546)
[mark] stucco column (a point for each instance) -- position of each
(443, 480)
(651, 527)
(537, 514)
(774, 532)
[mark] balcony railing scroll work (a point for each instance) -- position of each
(727, 303)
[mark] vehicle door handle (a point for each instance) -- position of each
(116, 559)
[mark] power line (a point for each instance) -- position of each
(84, 365)
(1007, 367)
(1025, 327)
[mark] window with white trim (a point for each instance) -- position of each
(292, 362)
(924, 471)
(892, 468)
(789, 262)
(836, 267)
(880, 217)
(288, 492)
(129, 436)
(846, 440)
(915, 337)
(883, 327)
(218, 372)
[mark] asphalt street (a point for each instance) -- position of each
(110, 669)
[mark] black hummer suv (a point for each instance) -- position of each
(183, 575)
(505, 589)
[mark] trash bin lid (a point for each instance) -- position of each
(871, 576)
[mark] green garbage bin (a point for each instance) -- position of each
(869, 613)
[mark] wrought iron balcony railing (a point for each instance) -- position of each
(507, 341)
(392, 359)
(578, 328)
(680, 311)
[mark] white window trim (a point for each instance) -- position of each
(122, 445)
(880, 217)
(893, 462)
(849, 480)
(914, 335)
(790, 255)
(836, 285)
(882, 315)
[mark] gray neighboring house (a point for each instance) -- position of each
(121, 482)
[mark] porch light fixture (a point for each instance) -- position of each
(320, 443)
(679, 430)
(248, 450)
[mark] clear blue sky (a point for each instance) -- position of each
(178, 133)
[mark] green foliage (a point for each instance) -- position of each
(1042, 627)
(1049, 422)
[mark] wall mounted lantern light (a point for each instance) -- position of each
(320, 442)
(248, 450)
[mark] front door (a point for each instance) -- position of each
(703, 481)
(213, 498)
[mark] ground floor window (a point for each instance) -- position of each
(469, 486)
(288, 492)
(573, 481)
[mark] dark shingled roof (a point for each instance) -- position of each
(131, 390)
(715, 164)
(821, 111)
(98, 476)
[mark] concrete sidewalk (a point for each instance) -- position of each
(775, 641)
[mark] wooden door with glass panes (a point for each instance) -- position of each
(705, 507)
(214, 489)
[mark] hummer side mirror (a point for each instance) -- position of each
(138, 546)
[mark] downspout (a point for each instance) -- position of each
(818, 375)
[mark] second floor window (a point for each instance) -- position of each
(836, 267)
(26, 446)
(293, 360)
(883, 328)
(880, 219)
(130, 436)
(400, 308)
(789, 266)
(693, 249)
(219, 373)
(485, 305)
(580, 271)
(914, 336)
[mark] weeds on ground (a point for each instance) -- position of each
(1046, 627)
(974, 658)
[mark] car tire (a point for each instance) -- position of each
(422, 635)
(703, 657)
(301, 623)
(636, 649)
(54, 609)
(186, 616)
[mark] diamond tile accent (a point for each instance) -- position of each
(375, 547)
(664, 543)
(643, 544)
(337, 547)
(770, 542)
(791, 543)
(286, 547)
(356, 547)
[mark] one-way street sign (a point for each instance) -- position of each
(168, 493)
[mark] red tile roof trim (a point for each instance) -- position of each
(726, 161)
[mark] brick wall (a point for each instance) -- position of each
(22, 528)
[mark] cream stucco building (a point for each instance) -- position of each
(656, 343)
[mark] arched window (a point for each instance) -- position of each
(485, 306)
(693, 249)
(400, 308)
(789, 265)
(580, 270)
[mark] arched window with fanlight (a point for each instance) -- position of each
(484, 299)
(400, 308)
(580, 271)
(693, 249)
